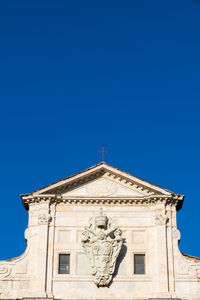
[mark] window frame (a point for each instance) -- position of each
(58, 265)
(145, 267)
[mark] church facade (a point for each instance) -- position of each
(101, 234)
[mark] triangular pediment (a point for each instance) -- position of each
(103, 187)
(102, 180)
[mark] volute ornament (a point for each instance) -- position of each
(4, 271)
(102, 242)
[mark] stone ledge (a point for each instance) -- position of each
(165, 299)
(37, 299)
(102, 299)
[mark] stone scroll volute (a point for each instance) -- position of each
(102, 242)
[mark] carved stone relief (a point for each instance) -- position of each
(161, 219)
(43, 219)
(102, 187)
(4, 271)
(102, 243)
(38, 215)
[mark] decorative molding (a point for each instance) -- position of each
(161, 219)
(4, 271)
(168, 200)
(102, 243)
(43, 219)
(119, 176)
(102, 188)
(96, 171)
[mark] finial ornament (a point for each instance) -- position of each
(103, 152)
(102, 243)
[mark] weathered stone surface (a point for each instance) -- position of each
(146, 215)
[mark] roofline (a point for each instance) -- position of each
(96, 166)
(190, 256)
(65, 178)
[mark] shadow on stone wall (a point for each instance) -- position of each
(120, 259)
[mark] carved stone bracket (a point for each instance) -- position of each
(102, 243)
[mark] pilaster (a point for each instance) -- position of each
(39, 219)
(50, 259)
(170, 209)
(162, 272)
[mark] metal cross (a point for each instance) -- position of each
(102, 152)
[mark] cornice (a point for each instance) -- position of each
(146, 200)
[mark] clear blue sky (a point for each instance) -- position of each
(77, 74)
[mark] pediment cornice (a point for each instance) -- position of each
(97, 171)
(61, 190)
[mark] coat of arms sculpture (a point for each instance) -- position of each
(102, 243)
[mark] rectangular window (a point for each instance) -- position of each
(64, 264)
(139, 263)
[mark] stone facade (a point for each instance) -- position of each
(140, 218)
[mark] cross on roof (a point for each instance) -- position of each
(102, 152)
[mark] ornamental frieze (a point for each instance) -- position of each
(102, 242)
